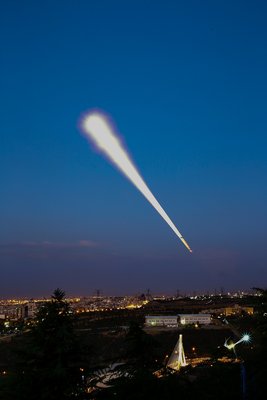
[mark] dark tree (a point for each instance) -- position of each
(141, 348)
(50, 368)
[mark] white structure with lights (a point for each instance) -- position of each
(170, 321)
(202, 319)
(177, 358)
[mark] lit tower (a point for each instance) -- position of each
(177, 358)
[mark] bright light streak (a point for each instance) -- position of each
(244, 338)
(97, 128)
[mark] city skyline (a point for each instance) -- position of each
(186, 87)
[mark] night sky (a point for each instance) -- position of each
(185, 83)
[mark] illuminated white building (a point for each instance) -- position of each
(202, 319)
(170, 321)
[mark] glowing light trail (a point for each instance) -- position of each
(230, 346)
(97, 128)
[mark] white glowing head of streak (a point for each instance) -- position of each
(97, 127)
(244, 338)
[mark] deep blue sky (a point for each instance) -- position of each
(185, 82)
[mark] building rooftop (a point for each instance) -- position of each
(194, 315)
(161, 316)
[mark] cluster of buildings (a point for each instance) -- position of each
(234, 309)
(203, 317)
(173, 321)
(14, 311)
(160, 312)
(104, 303)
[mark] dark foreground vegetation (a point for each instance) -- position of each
(55, 359)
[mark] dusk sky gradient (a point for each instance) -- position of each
(185, 83)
